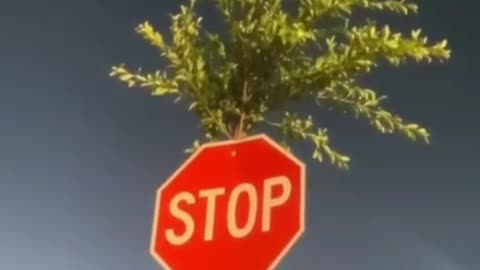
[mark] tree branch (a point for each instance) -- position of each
(239, 129)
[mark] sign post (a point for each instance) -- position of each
(232, 205)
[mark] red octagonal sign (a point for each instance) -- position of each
(233, 205)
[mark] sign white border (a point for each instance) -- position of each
(267, 139)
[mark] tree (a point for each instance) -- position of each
(272, 55)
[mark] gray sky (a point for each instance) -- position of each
(81, 156)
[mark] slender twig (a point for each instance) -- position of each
(223, 128)
(239, 131)
(219, 123)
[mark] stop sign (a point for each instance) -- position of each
(232, 205)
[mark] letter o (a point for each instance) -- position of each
(233, 227)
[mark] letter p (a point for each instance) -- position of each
(269, 202)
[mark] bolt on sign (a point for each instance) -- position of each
(233, 205)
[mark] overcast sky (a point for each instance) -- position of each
(81, 155)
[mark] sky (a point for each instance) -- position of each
(81, 155)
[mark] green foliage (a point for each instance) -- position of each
(272, 56)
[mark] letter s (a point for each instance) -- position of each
(180, 214)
